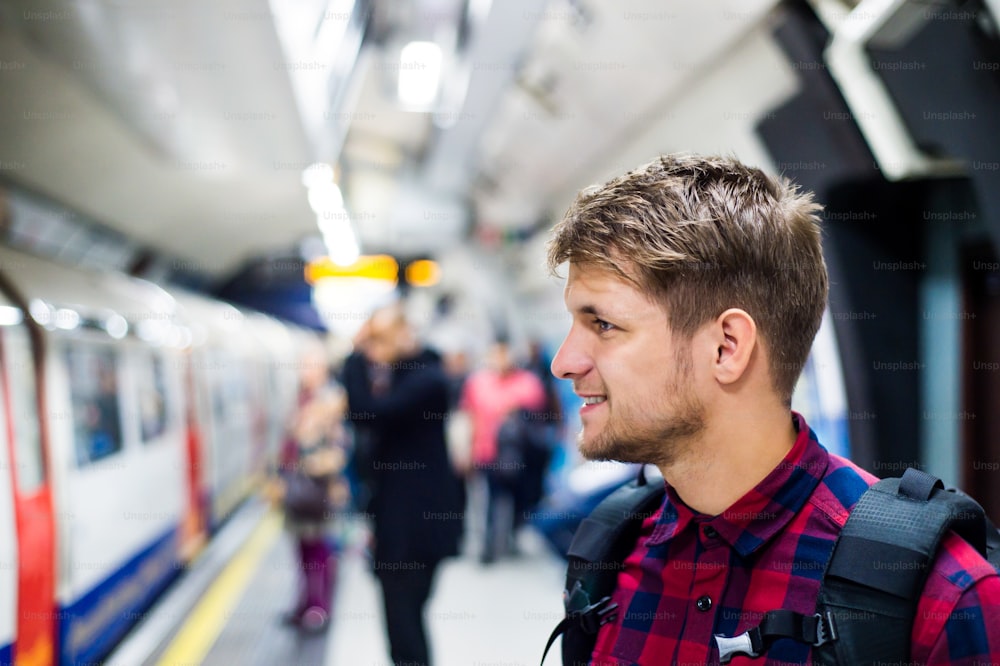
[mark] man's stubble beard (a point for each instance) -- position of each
(631, 437)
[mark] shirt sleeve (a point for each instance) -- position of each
(958, 617)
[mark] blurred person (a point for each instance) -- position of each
(491, 396)
(398, 393)
(458, 429)
(696, 286)
(543, 436)
(456, 369)
(308, 487)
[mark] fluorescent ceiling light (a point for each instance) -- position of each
(419, 74)
(317, 175)
(325, 198)
(318, 40)
(40, 312)
(116, 326)
(66, 319)
(341, 243)
(10, 316)
(343, 251)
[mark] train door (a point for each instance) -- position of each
(982, 378)
(260, 404)
(20, 372)
(195, 523)
(8, 535)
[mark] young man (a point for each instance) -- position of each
(696, 286)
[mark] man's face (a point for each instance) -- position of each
(384, 337)
(499, 358)
(641, 404)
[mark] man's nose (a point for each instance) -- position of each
(572, 359)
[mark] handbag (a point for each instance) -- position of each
(509, 464)
(306, 497)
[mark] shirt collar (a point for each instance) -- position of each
(762, 512)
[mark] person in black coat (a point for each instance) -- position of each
(398, 394)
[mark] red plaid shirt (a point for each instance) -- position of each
(692, 576)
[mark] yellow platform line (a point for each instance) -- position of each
(208, 618)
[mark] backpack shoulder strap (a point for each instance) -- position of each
(993, 544)
(876, 574)
(992, 536)
(881, 560)
(597, 553)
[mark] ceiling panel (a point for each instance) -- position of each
(176, 122)
(593, 79)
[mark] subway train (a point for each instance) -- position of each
(132, 422)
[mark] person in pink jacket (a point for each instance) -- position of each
(499, 392)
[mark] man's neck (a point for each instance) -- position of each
(730, 459)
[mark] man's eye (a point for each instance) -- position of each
(602, 325)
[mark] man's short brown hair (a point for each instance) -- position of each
(704, 234)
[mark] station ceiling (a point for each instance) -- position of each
(186, 125)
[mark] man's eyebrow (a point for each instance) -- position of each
(591, 310)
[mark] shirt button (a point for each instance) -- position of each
(704, 603)
(709, 531)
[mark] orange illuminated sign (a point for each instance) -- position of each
(373, 267)
(423, 273)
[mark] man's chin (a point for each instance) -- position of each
(588, 453)
(585, 445)
(596, 447)
(603, 447)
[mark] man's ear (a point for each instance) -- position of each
(736, 333)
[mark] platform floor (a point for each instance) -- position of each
(480, 615)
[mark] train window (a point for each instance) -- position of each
(20, 366)
(224, 401)
(93, 385)
(152, 393)
(236, 393)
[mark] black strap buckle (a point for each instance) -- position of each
(589, 618)
(730, 646)
(815, 630)
(595, 615)
(826, 630)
